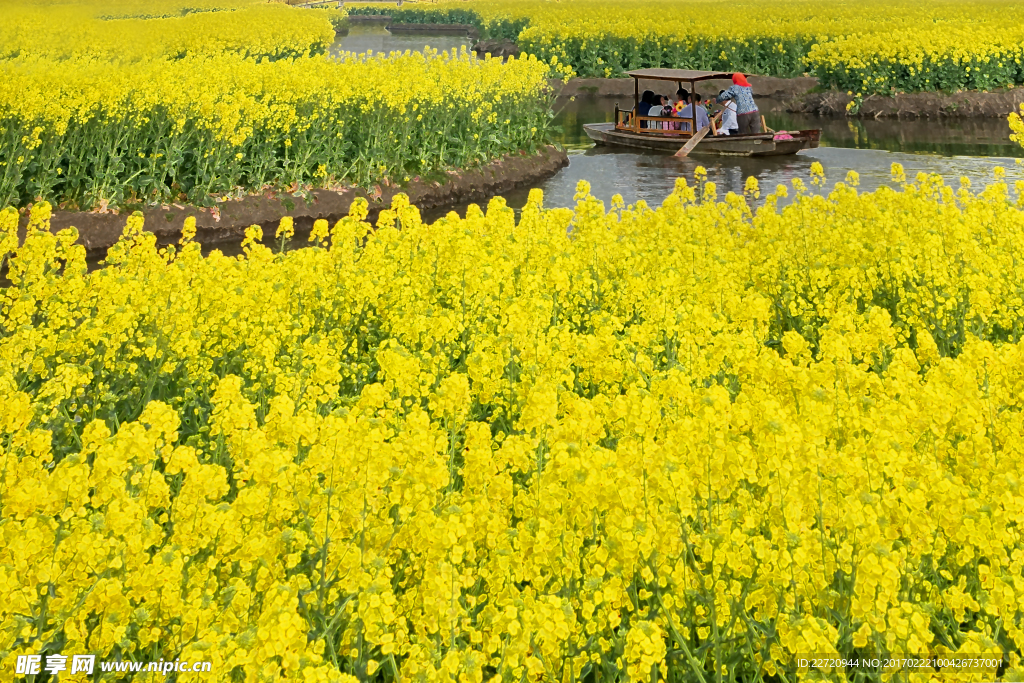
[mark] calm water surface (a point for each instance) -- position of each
(955, 149)
(374, 37)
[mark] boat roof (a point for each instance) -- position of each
(679, 75)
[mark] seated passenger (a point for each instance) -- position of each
(677, 107)
(668, 110)
(659, 107)
(687, 112)
(644, 106)
(682, 95)
(729, 125)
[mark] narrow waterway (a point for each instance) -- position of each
(375, 38)
(951, 149)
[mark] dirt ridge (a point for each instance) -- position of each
(800, 95)
(434, 29)
(98, 232)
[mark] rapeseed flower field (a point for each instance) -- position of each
(131, 32)
(693, 443)
(867, 47)
(115, 105)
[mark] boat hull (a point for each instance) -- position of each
(757, 145)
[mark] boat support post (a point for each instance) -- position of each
(636, 104)
(693, 109)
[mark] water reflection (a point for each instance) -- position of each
(949, 137)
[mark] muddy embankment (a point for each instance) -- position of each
(97, 232)
(495, 47)
(800, 95)
(413, 29)
(435, 29)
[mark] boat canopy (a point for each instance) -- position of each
(679, 75)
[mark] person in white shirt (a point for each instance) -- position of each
(729, 125)
(658, 108)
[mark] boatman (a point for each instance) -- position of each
(748, 117)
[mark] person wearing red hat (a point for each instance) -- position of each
(742, 95)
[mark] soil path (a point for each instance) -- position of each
(97, 232)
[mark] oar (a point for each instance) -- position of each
(694, 139)
(692, 142)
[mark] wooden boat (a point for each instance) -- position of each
(760, 145)
(628, 130)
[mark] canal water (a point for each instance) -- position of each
(373, 37)
(952, 148)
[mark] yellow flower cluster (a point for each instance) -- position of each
(1017, 126)
(225, 102)
(869, 46)
(125, 34)
(966, 52)
(691, 443)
